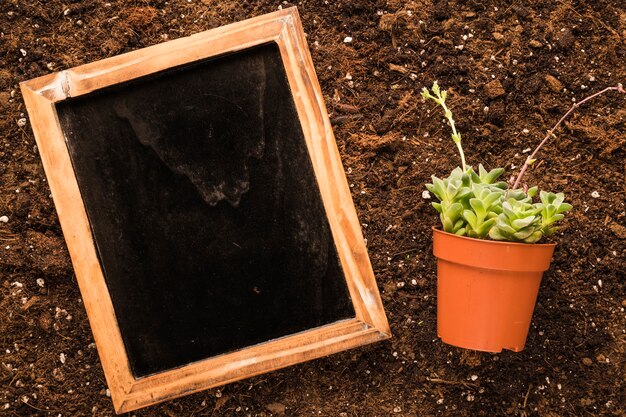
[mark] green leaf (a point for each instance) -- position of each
(564, 207)
(502, 223)
(471, 218)
(524, 233)
(479, 208)
(474, 176)
(523, 222)
(493, 175)
(459, 224)
(483, 229)
(534, 237)
(548, 221)
(482, 172)
(451, 190)
(491, 199)
(462, 193)
(547, 198)
(517, 194)
(454, 211)
(496, 234)
(439, 188)
(507, 209)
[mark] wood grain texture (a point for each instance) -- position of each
(130, 393)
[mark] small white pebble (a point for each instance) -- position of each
(348, 76)
(66, 12)
(470, 397)
(413, 282)
(486, 109)
(525, 131)
(40, 282)
(347, 39)
(108, 392)
(595, 194)
(426, 195)
(4, 219)
(474, 377)
(21, 122)
(62, 358)
(397, 409)
(592, 78)
(23, 52)
(600, 283)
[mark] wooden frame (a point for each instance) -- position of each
(284, 28)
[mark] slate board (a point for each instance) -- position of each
(205, 209)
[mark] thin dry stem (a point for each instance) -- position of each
(531, 158)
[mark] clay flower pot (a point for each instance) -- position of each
(486, 290)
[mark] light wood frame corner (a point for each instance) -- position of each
(284, 28)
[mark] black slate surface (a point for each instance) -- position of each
(205, 209)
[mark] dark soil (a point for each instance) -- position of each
(512, 71)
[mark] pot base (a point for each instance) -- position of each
(482, 310)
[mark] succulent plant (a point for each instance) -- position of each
(520, 220)
(475, 204)
(552, 209)
(468, 201)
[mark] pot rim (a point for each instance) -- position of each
(491, 242)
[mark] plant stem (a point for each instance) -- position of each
(455, 135)
(458, 145)
(531, 158)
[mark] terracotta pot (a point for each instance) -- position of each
(486, 290)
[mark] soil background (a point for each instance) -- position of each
(512, 71)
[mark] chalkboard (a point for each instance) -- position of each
(206, 210)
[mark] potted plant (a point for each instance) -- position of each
(489, 257)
